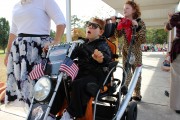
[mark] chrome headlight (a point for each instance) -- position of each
(42, 88)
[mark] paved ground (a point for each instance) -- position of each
(154, 105)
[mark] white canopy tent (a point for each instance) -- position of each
(68, 20)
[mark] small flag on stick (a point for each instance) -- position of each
(69, 67)
(38, 70)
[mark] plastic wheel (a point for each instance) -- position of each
(132, 111)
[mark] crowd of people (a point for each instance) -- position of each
(29, 38)
(154, 48)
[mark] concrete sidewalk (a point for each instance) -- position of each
(154, 105)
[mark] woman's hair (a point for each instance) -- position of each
(78, 33)
(25, 1)
(136, 8)
(100, 22)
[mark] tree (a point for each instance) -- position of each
(4, 33)
(52, 33)
(78, 32)
(63, 39)
(75, 21)
(161, 36)
(156, 36)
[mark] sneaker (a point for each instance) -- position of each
(166, 93)
(50, 118)
(66, 116)
(177, 111)
(137, 98)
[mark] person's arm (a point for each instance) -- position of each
(59, 33)
(141, 34)
(172, 21)
(57, 38)
(55, 13)
(165, 29)
(10, 40)
(116, 33)
(98, 56)
(104, 53)
(168, 26)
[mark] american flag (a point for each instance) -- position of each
(38, 70)
(69, 67)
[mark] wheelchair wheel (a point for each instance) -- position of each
(132, 111)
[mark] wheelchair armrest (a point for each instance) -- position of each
(112, 64)
(92, 87)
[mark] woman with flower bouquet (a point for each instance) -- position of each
(124, 29)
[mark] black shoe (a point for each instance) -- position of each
(166, 93)
(177, 111)
(137, 98)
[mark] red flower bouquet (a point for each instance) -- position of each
(126, 24)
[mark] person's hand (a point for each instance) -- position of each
(169, 15)
(46, 46)
(134, 23)
(113, 19)
(98, 56)
(6, 59)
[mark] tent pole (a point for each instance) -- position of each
(68, 21)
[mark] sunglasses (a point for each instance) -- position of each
(94, 25)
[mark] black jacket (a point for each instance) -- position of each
(86, 64)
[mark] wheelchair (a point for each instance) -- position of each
(107, 102)
(112, 101)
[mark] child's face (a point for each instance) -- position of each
(93, 30)
(128, 11)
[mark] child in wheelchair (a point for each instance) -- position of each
(93, 56)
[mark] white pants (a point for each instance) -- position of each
(175, 84)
